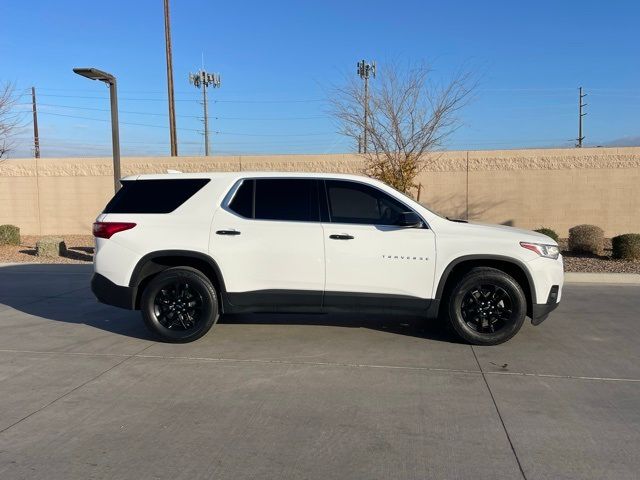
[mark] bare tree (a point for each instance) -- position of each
(408, 117)
(9, 119)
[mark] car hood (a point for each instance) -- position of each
(477, 228)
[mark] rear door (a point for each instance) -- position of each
(371, 263)
(268, 242)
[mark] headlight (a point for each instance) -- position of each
(548, 251)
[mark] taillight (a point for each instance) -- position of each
(107, 229)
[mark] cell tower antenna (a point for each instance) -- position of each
(203, 79)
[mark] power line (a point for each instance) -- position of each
(276, 134)
(74, 107)
(313, 100)
(191, 129)
(526, 90)
(521, 142)
(274, 118)
(107, 110)
(614, 95)
(105, 120)
(300, 142)
(149, 92)
(623, 92)
(121, 98)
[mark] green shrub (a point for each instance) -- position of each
(548, 232)
(9, 235)
(627, 246)
(586, 239)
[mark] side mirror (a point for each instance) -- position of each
(409, 220)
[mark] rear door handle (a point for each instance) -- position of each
(341, 237)
(227, 232)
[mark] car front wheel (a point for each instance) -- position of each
(179, 305)
(487, 306)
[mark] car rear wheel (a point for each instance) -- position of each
(179, 305)
(487, 306)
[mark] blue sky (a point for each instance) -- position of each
(279, 59)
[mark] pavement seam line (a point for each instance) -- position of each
(495, 404)
(325, 364)
(72, 390)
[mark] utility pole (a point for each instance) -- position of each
(580, 115)
(364, 70)
(204, 80)
(36, 138)
(172, 107)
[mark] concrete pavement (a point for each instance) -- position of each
(86, 393)
(611, 278)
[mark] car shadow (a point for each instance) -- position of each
(84, 254)
(61, 293)
(412, 326)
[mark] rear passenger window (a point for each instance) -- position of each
(286, 199)
(154, 196)
(242, 202)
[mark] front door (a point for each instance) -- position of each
(370, 261)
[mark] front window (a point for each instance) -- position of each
(351, 202)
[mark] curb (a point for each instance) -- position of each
(613, 278)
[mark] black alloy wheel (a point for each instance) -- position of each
(486, 306)
(179, 304)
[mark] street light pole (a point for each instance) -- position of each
(95, 74)
(115, 134)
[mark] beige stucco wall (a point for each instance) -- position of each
(557, 188)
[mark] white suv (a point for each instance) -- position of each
(186, 248)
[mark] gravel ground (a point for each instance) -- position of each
(81, 251)
(596, 263)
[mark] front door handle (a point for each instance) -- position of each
(227, 232)
(341, 237)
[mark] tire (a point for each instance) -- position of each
(179, 305)
(487, 306)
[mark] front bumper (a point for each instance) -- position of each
(111, 294)
(540, 311)
(548, 279)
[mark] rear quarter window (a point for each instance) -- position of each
(154, 196)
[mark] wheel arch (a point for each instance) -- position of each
(155, 262)
(512, 266)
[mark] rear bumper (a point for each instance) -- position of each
(111, 294)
